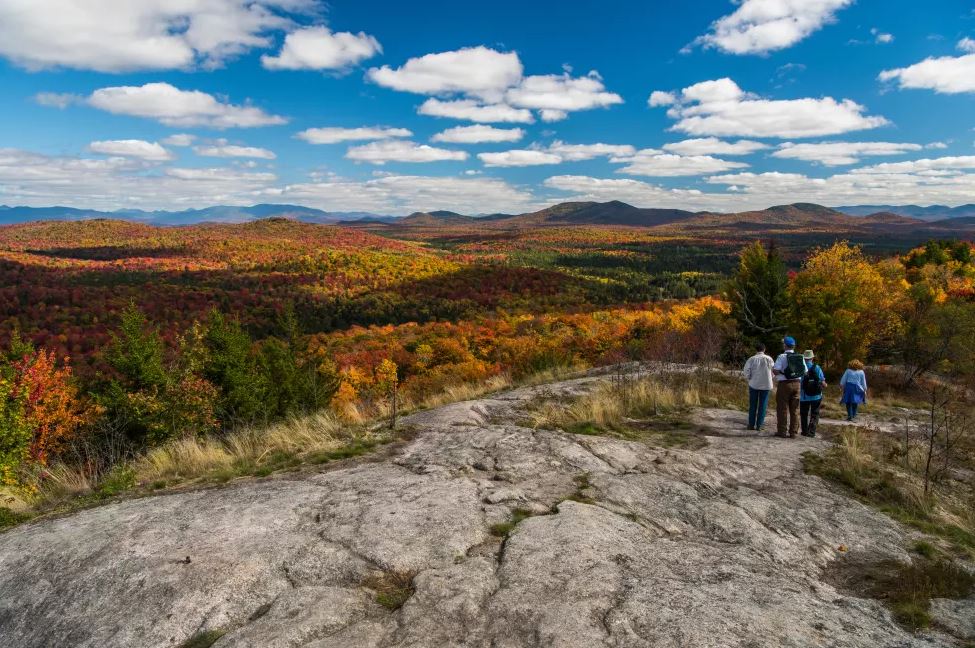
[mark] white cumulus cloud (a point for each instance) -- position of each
(28, 178)
(224, 150)
(575, 152)
(477, 134)
(651, 162)
(720, 108)
(122, 36)
(57, 99)
(471, 110)
(944, 74)
(132, 148)
(661, 98)
(334, 134)
(403, 194)
(634, 192)
(401, 151)
(518, 158)
(762, 26)
(841, 153)
(478, 71)
(557, 94)
(174, 107)
(880, 37)
(318, 48)
(485, 85)
(713, 146)
(179, 139)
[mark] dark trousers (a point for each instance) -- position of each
(809, 415)
(851, 410)
(757, 406)
(787, 407)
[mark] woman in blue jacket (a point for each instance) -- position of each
(811, 390)
(854, 385)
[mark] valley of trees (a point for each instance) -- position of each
(119, 337)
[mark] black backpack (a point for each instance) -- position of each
(811, 384)
(795, 366)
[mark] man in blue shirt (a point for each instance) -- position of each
(811, 390)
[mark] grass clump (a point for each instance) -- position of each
(906, 588)
(393, 588)
(503, 529)
(945, 512)
(203, 639)
(651, 410)
(9, 517)
(582, 485)
(925, 549)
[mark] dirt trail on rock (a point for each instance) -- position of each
(625, 545)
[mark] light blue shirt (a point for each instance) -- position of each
(854, 377)
(822, 378)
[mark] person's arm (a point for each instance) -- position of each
(747, 370)
(775, 367)
(844, 377)
(822, 376)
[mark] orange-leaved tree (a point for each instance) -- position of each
(839, 304)
(40, 408)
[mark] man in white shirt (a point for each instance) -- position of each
(788, 378)
(758, 372)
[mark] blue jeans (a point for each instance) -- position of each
(757, 406)
(851, 410)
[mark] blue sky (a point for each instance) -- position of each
(706, 105)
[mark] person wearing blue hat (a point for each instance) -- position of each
(789, 368)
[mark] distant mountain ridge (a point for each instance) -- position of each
(613, 212)
(214, 214)
(929, 213)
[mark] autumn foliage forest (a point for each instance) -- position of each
(118, 334)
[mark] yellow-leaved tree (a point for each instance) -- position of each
(839, 304)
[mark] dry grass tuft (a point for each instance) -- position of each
(859, 462)
(466, 391)
(249, 448)
(611, 404)
(393, 588)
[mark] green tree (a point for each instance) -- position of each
(758, 293)
(152, 399)
(137, 352)
(233, 367)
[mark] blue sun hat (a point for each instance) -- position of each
(789, 341)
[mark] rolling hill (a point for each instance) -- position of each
(215, 214)
(930, 213)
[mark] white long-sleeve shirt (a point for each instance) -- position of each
(758, 371)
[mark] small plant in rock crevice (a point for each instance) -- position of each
(393, 588)
(503, 529)
(203, 639)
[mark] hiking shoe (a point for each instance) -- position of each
(809, 435)
(750, 429)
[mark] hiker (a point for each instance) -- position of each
(854, 385)
(758, 372)
(789, 368)
(811, 394)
